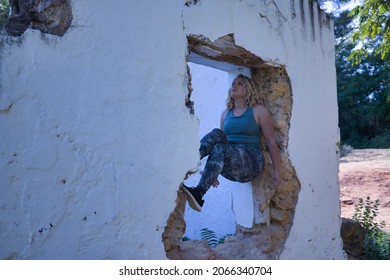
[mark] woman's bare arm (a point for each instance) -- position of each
(264, 120)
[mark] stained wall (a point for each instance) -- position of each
(98, 134)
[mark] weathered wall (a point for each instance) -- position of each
(91, 125)
(96, 137)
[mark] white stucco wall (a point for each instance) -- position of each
(96, 138)
(308, 56)
(103, 109)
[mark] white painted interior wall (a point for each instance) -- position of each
(231, 202)
(96, 138)
(209, 93)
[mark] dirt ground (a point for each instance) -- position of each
(365, 173)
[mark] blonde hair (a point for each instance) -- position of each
(252, 97)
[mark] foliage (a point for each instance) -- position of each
(377, 243)
(371, 28)
(4, 9)
(363, 89)
(185, 238)
(345, 150)
(211, 237)
(372, 34)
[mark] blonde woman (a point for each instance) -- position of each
(234, 150)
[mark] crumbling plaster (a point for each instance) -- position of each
(48, 16)
(96, 137)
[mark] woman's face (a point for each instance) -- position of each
(238, 87)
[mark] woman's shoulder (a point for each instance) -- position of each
(223, 116)
(224, 112)
(261, 113)
(258, 108)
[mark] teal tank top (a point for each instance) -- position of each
(242, 129)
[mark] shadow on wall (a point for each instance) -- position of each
(265, 239)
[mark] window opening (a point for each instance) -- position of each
(273, 210)
(230, 200)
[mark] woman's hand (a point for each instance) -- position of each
(216, 183)
(276, 180)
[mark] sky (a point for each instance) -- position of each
(331, 7)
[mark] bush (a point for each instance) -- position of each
(377, 243)
(211, 237)
(380, 141)
(359, 141)
(4, 10)
(345, 150)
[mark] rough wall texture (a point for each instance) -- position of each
(49, 16)
(75, 115)
(77, 112)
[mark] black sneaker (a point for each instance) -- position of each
(194, 198)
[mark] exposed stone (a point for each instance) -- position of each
(188, 102)
(273, 83)
(353, 235)
(198, 250)
(279, 216)
(175, 228)
(241, 246)
(223, 49)
(284, 200)
(49, 16)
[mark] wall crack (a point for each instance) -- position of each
(7, 109)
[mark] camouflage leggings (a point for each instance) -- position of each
(236, 162)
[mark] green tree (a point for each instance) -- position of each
(364, 114)
(363, 74)
(372, 33)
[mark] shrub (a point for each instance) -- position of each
(345, 150)
(211, 237)
(377, 243)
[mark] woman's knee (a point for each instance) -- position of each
(219, 134)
